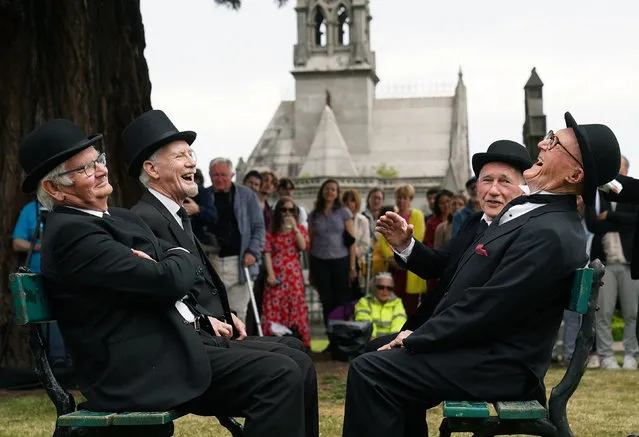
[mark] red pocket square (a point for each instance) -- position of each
(479, 250)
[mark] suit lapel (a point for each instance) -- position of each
(178, 233)
(494, 231)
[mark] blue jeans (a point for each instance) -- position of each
(56, 350)
(572, 323)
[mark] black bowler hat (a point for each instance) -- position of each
(600, 153)
(48, 146)
(506, 151)
(148, 133)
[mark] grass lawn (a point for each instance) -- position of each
(606, 404)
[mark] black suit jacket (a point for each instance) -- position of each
(131, 349)
(502, 310)
(629, 194)
(621, 220)
(441, 263)
(212, 294)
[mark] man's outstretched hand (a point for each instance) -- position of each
(398, 342)
(396, 230)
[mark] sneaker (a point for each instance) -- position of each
(629, 362)
(609, 363)
(593, 362)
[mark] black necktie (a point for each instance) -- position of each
(186, 223)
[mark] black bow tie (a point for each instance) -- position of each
(537, 199)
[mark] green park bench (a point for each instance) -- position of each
(31, 308)
(531, 417)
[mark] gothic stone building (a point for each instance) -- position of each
(336, 127)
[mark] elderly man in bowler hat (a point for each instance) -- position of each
(127, 303)
(499, 175)
(162, 158)
(504, 303)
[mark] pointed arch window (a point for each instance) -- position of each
(319, 28)
(343, 26)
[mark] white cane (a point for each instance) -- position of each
(256, 314)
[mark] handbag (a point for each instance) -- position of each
(348, 339)
(349, 240)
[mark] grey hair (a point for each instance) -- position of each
(226, 161)
(385, 275)
(45, 198)
(626, 161)
(144, 177)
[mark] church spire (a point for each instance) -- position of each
(328, 154)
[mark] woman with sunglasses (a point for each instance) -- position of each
(381, 307)
(284, 296)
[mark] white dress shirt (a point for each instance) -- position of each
(90, 211)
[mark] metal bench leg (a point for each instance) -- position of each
(235, 428)
(444, 428)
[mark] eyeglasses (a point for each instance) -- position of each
(291, 210)
(553, 141)
(88, 168)
(385, 287)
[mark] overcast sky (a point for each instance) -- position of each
(222, 73)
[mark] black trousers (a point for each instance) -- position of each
(267, 380)
(388, 393)
(331, 278)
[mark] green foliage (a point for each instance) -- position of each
(305, 175)
(386, 171)
(617, 326)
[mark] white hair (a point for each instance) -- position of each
(45, 198)
(226, 161)
(144, 177)
(384, 275)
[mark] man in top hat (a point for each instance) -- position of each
(162, 159)
(127, 302)
(498, 172)
(504, 302)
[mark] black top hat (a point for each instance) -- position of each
(48, 146)
(600, 153)
(148, 133)
(505, 151)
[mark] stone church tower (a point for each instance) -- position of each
(337, 128)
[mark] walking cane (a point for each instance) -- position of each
(256, 314)
(369, 269)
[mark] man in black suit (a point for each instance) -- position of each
(499, 176)
(614, 227)
(161, 157)
(504, 303)
(127, 303)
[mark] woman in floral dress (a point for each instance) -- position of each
(284, 295)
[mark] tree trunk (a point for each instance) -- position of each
(75, 59)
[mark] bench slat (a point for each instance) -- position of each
(581, 288)
(466, 409)
(146, 418)
(29, 300)
(520, 410)
(84, 418)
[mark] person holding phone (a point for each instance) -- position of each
(284, 294)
